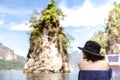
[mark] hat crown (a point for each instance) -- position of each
(92, 46)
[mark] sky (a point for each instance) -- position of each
(83, 19)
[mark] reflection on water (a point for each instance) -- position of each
(19, 75)
(57, 76)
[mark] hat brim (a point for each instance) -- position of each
(96, 54)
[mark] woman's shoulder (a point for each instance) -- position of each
(103, 62)
(82, 62)
(97, 65)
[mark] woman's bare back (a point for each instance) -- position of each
(97, 65)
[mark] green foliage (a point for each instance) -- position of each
(35, 33)
(111, 37)
(113, 28)
(114, 19)
(48, 24)
(101, 38)
(51, 12)
(49, 16)
(53, 30)
(11, 64)
(64, 39)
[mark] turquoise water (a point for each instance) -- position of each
(19, 75)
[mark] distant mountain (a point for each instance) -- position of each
(75, 58)
(9, 60)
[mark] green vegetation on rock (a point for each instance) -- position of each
(113, 29)
(48, 24)
(101, 38)
(48, 42)
(49, 20)
(110, 38)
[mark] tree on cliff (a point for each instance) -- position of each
(101, 38)
(110, 38)
(48, 43)
(113, 30)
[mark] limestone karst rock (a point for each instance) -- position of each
(48, 44)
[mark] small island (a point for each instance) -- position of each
(48, 43)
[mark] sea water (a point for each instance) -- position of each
(19, 75)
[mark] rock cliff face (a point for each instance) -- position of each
(113, 30)
(110, 38)
(6, 53)
(9, 60)
(48, 44)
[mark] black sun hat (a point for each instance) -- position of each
(92, 47)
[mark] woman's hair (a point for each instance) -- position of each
(93, 58)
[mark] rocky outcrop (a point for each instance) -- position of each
(6, 53)
(48, 44)
(9, 60)
(48, 59)
(113, 30)
(110, 38)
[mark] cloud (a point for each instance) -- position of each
(85, 15)
(21, 53)
(1, 22)
(22, 26)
